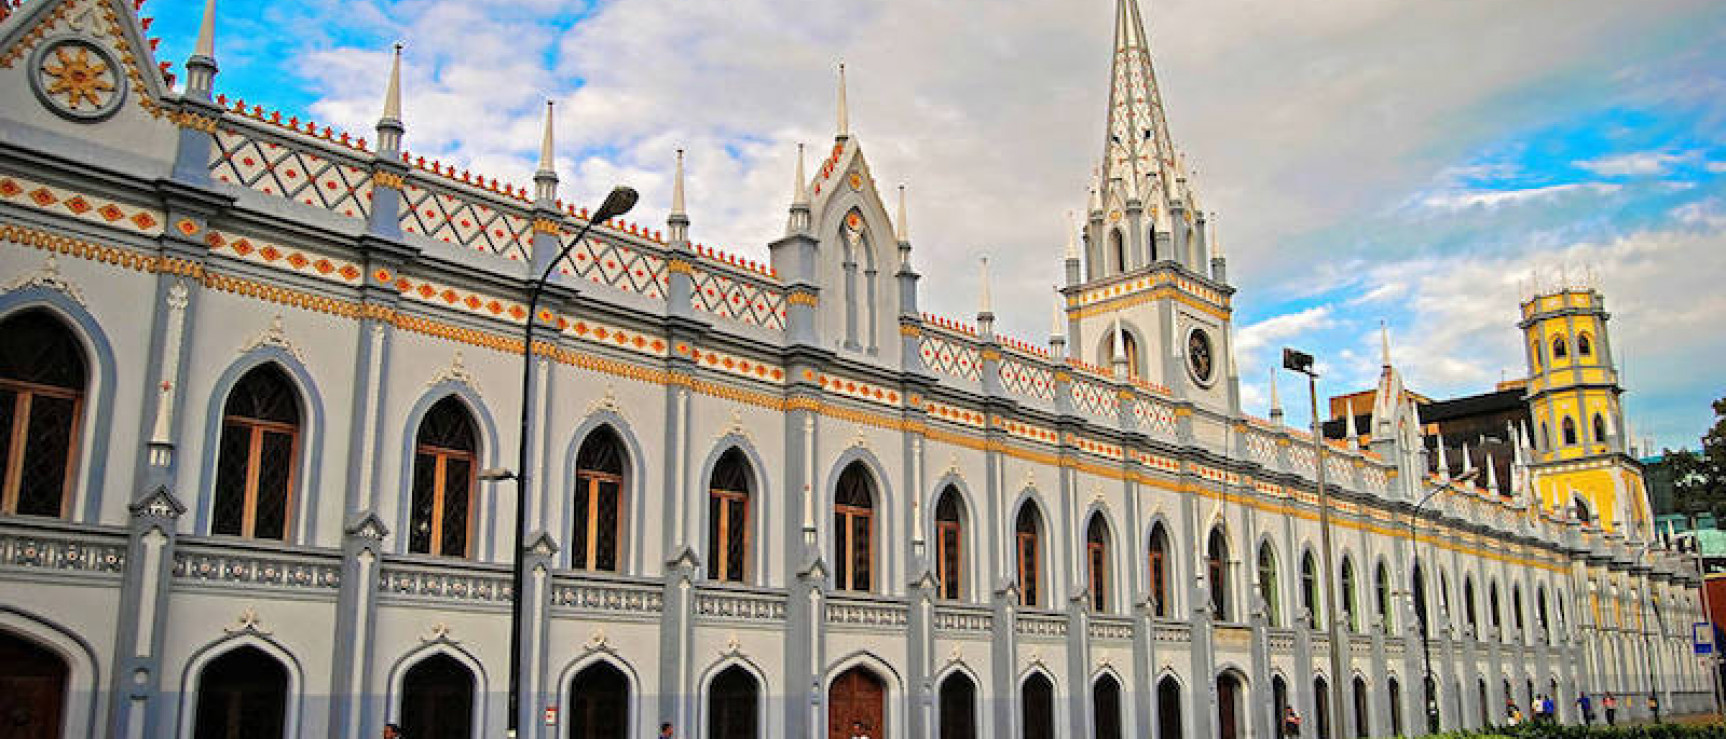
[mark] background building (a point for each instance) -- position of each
(251, 367)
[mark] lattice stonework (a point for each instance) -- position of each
(1021, 378)
(1261, 447)
(304, 177)
(948, 358)
(1301, 457)
(1375, 478)
(617, 265)
(1095, 399)
(739, 300)
(450, 218)
(1154, 417)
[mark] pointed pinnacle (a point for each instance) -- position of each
(1058, 318)
(677, 187)
(393, 94)
(1384, 342)
(984, 303)
(902, 230)
(1072, 253)
(1276, 400)
(206, 46)
(800, 188)
(547, 157)
(844, 114)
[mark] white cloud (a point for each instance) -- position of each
(1253, 337)
(1641, 163)
(1470, 198)
(1715, 167)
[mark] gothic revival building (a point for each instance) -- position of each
(251, 367)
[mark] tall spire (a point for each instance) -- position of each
(844, 113)
(1353, 434)
(985, 302)
(902, 225)
(678, 220)
(1276, 400)
(799, 221)
(1137, 143)
(545, 178)
(1384, 342)
(1058, 326)
(1072, 253)
(201, 67)
(390, 123)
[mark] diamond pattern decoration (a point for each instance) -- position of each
(84, 207)
(1022, 378)
(1261, 447)
(305, 177)
(445, 216)
(621, 266)
(1154, 417)
(1096, 399)
(738, 299)
(955, 360)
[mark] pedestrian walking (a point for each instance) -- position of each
(1610, 703)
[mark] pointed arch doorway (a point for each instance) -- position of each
(857, 699)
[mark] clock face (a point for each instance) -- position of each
(1199, 358)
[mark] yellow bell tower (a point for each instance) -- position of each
(1579, 461)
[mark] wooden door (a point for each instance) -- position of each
(32, 690)
(857, 697)
(1228, 704)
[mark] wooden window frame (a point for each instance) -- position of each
(1159, 575)
(255, 428)
(441, 456)
(719, 498)
(1028, 596)
(1097, 566)
(12, 477)
(950, 580)
(590, 480)
(846, 516)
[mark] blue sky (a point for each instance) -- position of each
(1411, 162)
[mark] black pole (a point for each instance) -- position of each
(617, 203)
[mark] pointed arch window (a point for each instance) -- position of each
(1268, 584)
(728, 518)
(1309, 593)
(257, 456)
(1117, 251)
(854, 530)
(1381, 589)
(1516, 607)
(1027, 529)
(1468, 607)
(1599, 429)
(1534, 354)
(1350, 614)
(950, 545)
(42, 385)
(1560, 349)
(1217, 574)
(445, 454)
(1568, 427)
(1130, 348)
(1159, 561)
(600, 481)
(1584, 345)
(1097, 563)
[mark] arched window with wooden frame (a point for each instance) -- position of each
(1217, 574)
(1309, 590)
(446, 458)
(1599, 429)
(728, 533)
(1130, 349)
(854, 530)
(1159, 571)
(1097, 562)
(1350, 608)
(258, 456)
(601, 502)
(1381, 591)
(1268, 585)
(950, 544)
(1560, 349)
(1584, 345)
(1117, 250)
(1027, 548)
(1568, 428)
(43, 378)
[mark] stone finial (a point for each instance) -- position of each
(1353, 434)
(844, 112)
(206, 46)
(1443, 459)
(1058, 320)
(799, 221)
(985, 303)
(1384, 342)
(902, 225)
(1072, 253)
(201, 67)
(1467, 461)
(1491, 475)
(545, 177)
(1276, 400)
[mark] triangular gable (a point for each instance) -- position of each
(117, 59)
(844, 172)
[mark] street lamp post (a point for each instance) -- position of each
(618, 202)
(1298, 361)
(1428, 685)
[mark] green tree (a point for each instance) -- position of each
(1699, 478)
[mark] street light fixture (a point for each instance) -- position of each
(1428, 685)
(618, 202)
(1302, 362)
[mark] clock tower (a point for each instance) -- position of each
(1150, 299)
